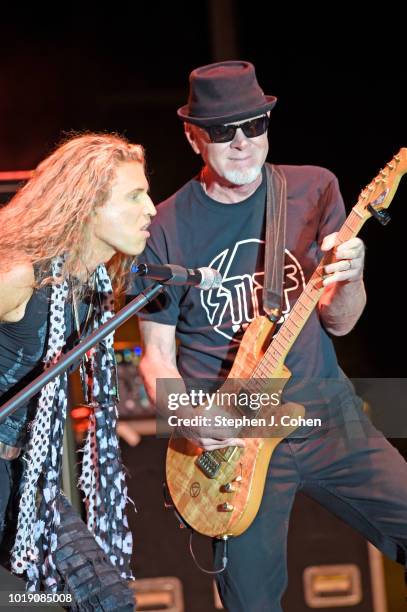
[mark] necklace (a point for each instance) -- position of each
(86, 364)
(75, 307)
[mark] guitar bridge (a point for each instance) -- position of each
(210, 461)
(208, 464)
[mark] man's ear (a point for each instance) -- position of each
(191, 135)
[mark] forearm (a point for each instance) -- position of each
(163, 382)
(341, 306)
(153, 368)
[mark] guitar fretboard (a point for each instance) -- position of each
(291, 328)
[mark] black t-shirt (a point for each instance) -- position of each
(193, 230)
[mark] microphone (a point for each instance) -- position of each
(171, 274)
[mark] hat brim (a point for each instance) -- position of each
(183, 113)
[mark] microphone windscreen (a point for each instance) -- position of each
(211, 279)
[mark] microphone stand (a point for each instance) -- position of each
(36, 385)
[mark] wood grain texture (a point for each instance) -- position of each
(197, 497)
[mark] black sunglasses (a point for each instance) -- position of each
(226, 133)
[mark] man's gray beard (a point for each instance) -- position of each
(243, 177)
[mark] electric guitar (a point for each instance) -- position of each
(218, 493)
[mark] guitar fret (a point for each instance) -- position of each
(348, 226)
(261, 369)
(297, 314)
(301, 304)
(255, 385)
(306, 296)
(357, 213)
(264, 372)
(273, 351)
(288, 323)
(277, 340)
(272, 357)
(260, 380)
(285, 332)
(292, 320)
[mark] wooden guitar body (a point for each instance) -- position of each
(205, 503)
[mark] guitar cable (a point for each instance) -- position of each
(224, 555)
(168, 504)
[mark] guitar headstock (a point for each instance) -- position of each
(376, 197)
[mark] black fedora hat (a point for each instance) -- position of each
(224, 92)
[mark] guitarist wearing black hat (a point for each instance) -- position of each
(218, 220)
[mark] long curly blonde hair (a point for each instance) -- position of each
(50, 214)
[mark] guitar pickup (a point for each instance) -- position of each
(208, 464)
(225, 454)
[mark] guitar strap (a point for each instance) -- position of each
(276, 212)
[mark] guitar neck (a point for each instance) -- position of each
(291, 328)
(376, 196)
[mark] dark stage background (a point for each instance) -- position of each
(342, 104)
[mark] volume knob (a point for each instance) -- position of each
(226, 507)
(228, 488)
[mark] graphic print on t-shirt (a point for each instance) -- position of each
(232, 307)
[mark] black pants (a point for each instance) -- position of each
(94, 583)
(352, 471)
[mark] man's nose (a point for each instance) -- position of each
(150, 208)
(239, 140)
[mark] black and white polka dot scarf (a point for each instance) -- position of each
(102, 479)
